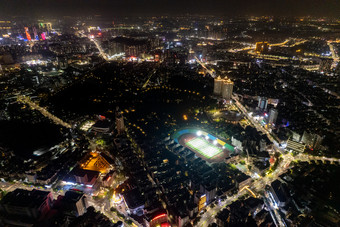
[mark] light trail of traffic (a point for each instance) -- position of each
(101, 51)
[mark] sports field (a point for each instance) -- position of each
(203, 147)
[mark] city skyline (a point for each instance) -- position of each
(111, 117)
(326, 8)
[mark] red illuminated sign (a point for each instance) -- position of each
(159, 216)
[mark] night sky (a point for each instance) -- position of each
(161, 7)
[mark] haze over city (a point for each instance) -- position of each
(326, 8)
(169, 113)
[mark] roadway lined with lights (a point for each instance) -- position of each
(43, 111)
(101, 51)
(258, 184)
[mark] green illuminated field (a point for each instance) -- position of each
(203, 147)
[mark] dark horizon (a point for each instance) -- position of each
(324, 8)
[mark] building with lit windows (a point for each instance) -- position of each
(218, 82)
(103, 125)
(109, 178)
(157, 218)
(46, 26)
(227, 89)
(263, 102)
(262, 47)
(311, 139)
(24, 208)
(325, 65)
(134, 201)
(202, 202)
(5, 28)
(272, 116)
(98, 162)
(295, 146)
(223, 87)
(119, 122)
(74, 202)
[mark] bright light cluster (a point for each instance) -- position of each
(203, 147)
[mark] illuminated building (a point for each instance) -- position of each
(35, 33)
(325, 65)
(5, 28)
(227, 89)
(295, 146)
(28, 36)
(7, 63)
(202, 202)
(218, 82)
(96, 162)
(311, 139)
(115, 48)
(182, 220)
(116, 198)
(134, 201)
(62, 61)
(108, 179)
(158, 218)
(119, 122)
(74, 203)
(209, 191)
(23, 208)
(47, 26)
(223, 87)
(191, 56)
(279, 193)
(83, 177)
(43, 36)
(129, 46)
(272, 116)
(263, 102)
(262, 47)
(103, 125)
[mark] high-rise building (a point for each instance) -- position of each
(227, 89)
(263, 102)
(311, 139)
(223, 87)
(263, 145)
(272, 116)
(28, 36)
(74, 203)
(218, 86)
(5, 28)
(325, 65)
(21, 207)
(119, 121)
(191, 56)
(62, 62)
(262, 47)
(46, 26)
